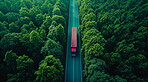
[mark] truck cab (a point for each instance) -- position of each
(73, 50)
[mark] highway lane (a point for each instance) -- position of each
(73, 69)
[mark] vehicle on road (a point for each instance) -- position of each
(74, 41)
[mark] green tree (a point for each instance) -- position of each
(62, 6)
(27, 3)
(2, 16)
(52, 33)
(101, 76)
(43, 34)
(50, 70)
(11, 42)
(47, 7)
(140, 37)
(35, 39)
(105, 19)
(94, 50)
(89, 17)
(91, 24)
(6, 24)
(125, 71)
(39, 19)
(47, 23)
(10, 59)
(126, 50)
(36, 42)
(60, 34)
(33, 12)
(29, 27)
(4, 7)
(3, 72)
(23, 20)
(52, 47)
(25, 68)
(11, 17)
(113, 60)
(59, 20)
(24, 12)
(3, 30)
(56, 11)
(13, 27)
(139, 64)
(93, 36)
(15, 7)
(93, 65)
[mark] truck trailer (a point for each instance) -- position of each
(74, 41)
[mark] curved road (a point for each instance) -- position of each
(73, 69)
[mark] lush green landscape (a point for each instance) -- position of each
(32, 40)
(114, 36)
(114, 40)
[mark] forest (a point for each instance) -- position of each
(32, 40)
(114, 36)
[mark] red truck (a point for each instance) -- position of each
(74, 41)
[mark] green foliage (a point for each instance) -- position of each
(33, 12)
(15, 7)
(43, 34)
(36, 42)
(126, 50)
(56, 11)
(3, 30)
(47, 22)
(11, 42)
(29, 27)
(139, 64)
(35, 39)
(59, 20)
(105, 18)
(47, 7)
(24, 26)
(24, 12)
(4, 7)
(6, 24)
(2, 16)
(116, 32)
(91, 24)
(52, 47)
(60, 34)
(11, 17)
(25, 68)
(39, 19)
(112, 59)
(3, 71)
(50, 70)
(52, 33)
(10, 59)
(23, 20)
(89, 17)
(13, 27)
(92, 66)
(100, 77)
(140, 37)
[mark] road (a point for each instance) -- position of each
(73, 69)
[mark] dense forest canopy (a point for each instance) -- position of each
(114, 36)
(32, 40)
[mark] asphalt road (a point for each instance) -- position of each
(73, 69)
